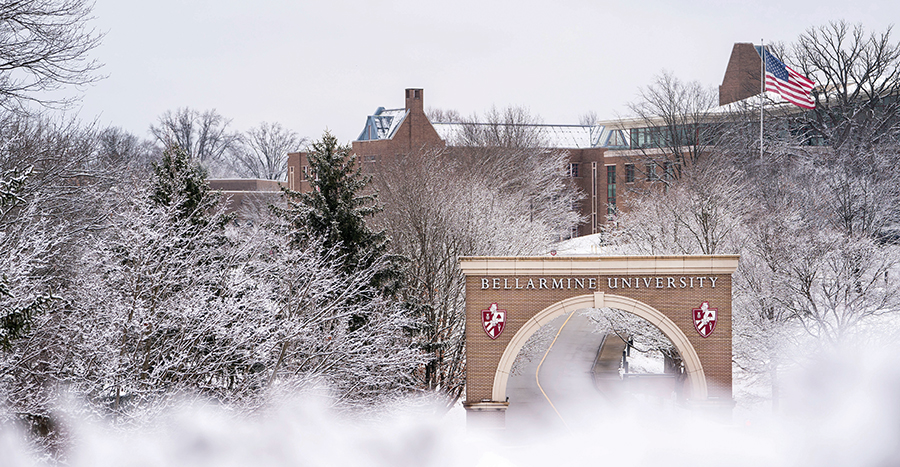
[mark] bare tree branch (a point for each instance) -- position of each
(262, 151)
(44, 46)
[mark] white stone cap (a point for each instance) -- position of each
(597, 265)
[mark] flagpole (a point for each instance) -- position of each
(762, 92)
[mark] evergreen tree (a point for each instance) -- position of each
(336, 209)
(180, 183)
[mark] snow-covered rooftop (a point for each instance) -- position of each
(554, 136)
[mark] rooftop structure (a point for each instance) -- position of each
(382, 124)
(552, 136)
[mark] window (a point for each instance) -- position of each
(652, 137)
(652, 176)
(629, 173)
(617, 139)
(573, 170)
(305, 174)
(678, 135)
(291, 178)
(668, 170)
(610, 189)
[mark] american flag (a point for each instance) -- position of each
(787, 83)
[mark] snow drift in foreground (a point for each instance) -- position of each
(840, 409)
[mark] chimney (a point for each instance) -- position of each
(414, 100)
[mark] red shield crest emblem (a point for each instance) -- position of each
(705, 319)
(493, 320)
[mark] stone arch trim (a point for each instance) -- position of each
(693, 367)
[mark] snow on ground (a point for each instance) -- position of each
(641, 362)
(585, 245)
(839, 409)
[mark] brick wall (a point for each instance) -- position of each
(591, 180)
(742, 75)
(298, 172)
(247, 192)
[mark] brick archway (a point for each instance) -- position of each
(531, 291)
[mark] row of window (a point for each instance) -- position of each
(668, 171)
(369, 163)
(652, 169)
(681, 135)
(706, 134)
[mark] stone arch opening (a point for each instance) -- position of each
(693, 365)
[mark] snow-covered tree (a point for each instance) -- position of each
(857, 73)
(153, 301)
(443, 204)
(119, 148)
(56, 197)
(162, 307)
(679, 125)
(703, 213)
(16, 313)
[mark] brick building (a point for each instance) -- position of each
(392, 133)
(607, 159)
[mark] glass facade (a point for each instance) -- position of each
(681, 135)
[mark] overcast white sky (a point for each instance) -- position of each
(329, 64)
